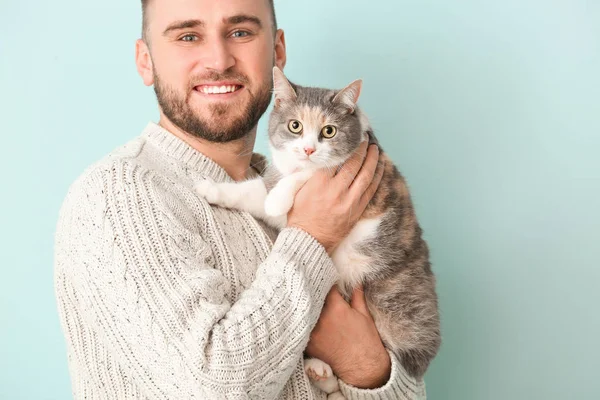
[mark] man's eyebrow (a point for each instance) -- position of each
(190, 23)
(240, 18)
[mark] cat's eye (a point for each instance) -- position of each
(329, 131)
(295, 126)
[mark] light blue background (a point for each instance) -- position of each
(490, 108)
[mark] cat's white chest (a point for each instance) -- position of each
(353, 266)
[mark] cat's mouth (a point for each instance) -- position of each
(307, 163)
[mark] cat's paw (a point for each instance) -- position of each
(278, 204)
(336, 396)
(317, 370)
(209, 190)
(279, 222)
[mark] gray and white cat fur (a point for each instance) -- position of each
(385, 251)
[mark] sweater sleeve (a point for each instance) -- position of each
(400, 386)
(164, 313)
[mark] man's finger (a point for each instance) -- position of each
(370, 192)
(326, 173)
(359, 302)
(350, 169)
(334, 295)
(366, 173)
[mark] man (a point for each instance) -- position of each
(162, 295)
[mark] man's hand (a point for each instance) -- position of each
(346, 338)
(329, 204)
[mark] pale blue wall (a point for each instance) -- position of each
(491, 109)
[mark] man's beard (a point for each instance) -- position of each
(177, 109)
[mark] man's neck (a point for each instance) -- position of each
(234, 157)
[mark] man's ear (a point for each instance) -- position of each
(280, 51)
(282, 89)
(349, 95)
(143, 61)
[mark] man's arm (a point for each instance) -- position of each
(164, 314)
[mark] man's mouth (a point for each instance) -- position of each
(218, 89)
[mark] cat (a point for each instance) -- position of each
(313, 128)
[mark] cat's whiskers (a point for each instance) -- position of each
(330, 168)
(245, 153)
(348, 165)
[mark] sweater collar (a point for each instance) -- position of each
(178, 149)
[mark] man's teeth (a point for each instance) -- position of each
(219, 89)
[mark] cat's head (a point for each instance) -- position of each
(313, 128)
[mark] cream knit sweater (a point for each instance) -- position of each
(163, 296)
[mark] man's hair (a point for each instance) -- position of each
(145, 21)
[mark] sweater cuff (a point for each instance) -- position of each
(299, 248)
(400, 386)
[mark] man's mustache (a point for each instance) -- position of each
(215, 76)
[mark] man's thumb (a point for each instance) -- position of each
(359, 303)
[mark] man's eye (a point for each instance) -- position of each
(239, 34)
(189, 38)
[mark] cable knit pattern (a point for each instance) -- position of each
(163, 296)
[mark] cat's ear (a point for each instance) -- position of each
(349, 95)
(282, 89)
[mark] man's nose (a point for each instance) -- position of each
(218, 57)
(309, 150)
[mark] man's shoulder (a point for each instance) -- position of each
(111, 169)
(112, 165)
(128, 177)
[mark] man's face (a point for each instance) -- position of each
(212, 63)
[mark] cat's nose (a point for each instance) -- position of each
(309, 150)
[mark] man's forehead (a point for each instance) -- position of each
(164, 12)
